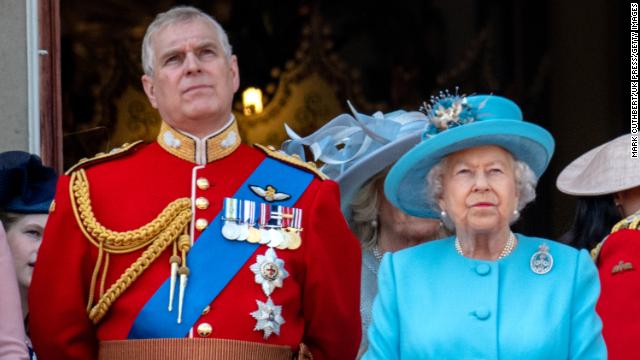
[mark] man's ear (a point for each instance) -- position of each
(235, 73)
(149, 89)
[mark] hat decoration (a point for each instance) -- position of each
(446, 111)
(355, 147)
(347, 139)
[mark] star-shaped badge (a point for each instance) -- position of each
(269, 318)
(269, 271)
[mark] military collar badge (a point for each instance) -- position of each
(622, 266)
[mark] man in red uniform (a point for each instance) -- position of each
(195, 246)
(610, 170)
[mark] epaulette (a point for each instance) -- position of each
(101, 156)
(292, 159)
(631, 222)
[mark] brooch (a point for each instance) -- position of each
(541, 261)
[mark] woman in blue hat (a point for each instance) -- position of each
(27, 189)
(484, 292)
(357, 151)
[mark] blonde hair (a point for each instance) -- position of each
(364, 210)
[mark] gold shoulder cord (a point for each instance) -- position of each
(157, 235)
(630, 222)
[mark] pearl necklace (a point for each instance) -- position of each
(506, 250)
(377, 254)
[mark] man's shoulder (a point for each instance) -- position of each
(122, 151)
(294, 161)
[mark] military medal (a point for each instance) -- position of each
(248, 215)
(269, 271)
(265, 217)
(294, 231)
(285, 224)
(268, 318)
(541, 261)
(275, 237)
(254, 235)
(230, 229)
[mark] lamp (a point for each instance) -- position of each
(252, 101)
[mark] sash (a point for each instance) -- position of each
(213, 260)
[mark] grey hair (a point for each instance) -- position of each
(526, 182)
(364, 211)
(178, 14)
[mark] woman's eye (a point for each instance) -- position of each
(35, 233)
(463, 171)
(496, 171)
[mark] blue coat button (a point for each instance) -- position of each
(482, 314)
(483, 269)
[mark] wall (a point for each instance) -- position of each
(13, 72)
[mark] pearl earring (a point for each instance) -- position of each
(374, 223)
(443, 214)
(516, 213)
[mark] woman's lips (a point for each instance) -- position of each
(483, 204)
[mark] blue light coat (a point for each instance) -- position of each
(436, 304)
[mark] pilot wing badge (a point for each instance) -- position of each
(269, 194)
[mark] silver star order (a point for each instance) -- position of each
(269, 271)
(269, 318)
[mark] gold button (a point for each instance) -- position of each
(202, 203)
(206, 310)
(202, 183)
(204, 329)
(201, 224)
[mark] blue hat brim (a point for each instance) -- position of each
(406, 185)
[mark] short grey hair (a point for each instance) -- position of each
(526, 182)
(178, 14)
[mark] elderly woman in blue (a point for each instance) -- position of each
(484, 293)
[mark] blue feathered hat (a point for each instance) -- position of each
(26, 186)
(459, 122)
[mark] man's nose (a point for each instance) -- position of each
(192, 63)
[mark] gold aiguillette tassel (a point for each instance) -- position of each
(175, 261)
(184, 244)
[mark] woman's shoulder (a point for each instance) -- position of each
(568, 254)
(533, 241)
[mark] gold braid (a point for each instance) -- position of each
(164, 230)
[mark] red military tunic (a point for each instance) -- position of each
(319, 299)
(618, 260)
